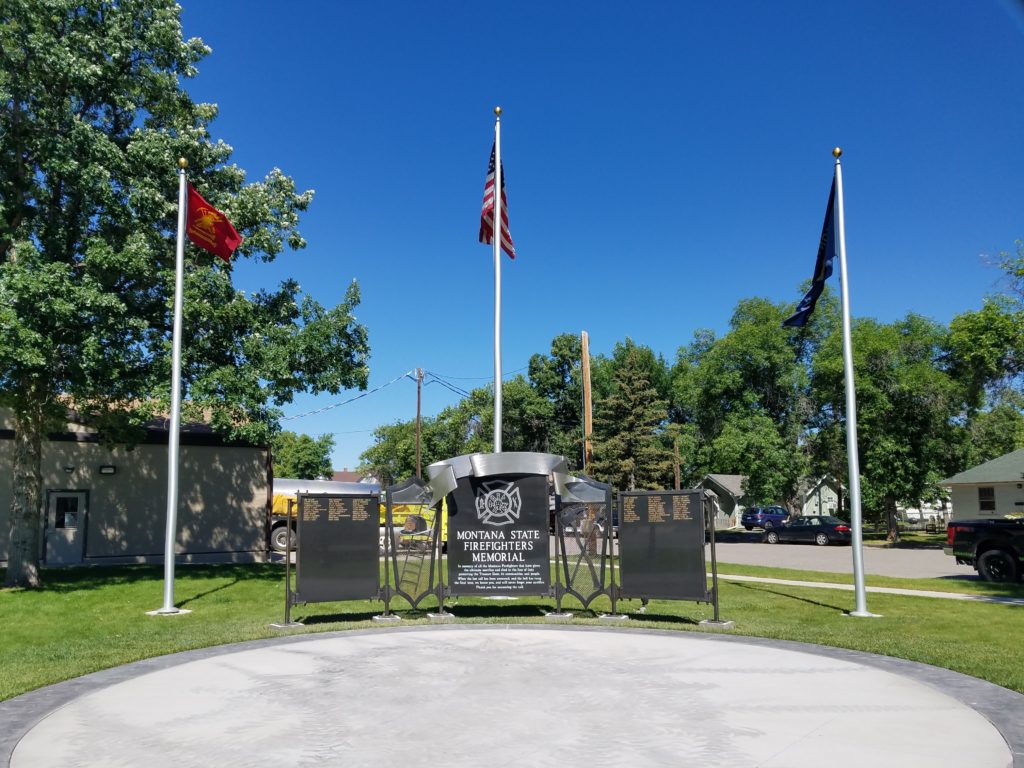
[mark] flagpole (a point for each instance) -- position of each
(168, 608)
(851, 406)
(497, 279)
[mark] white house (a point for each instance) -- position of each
(993, 489)
(731, 501)
(819, 497)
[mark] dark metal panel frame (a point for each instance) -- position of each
(564, 579)
(412, 491)
(708, 596)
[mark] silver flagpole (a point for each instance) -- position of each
(169, 608)
(497, 280)
(851, 406)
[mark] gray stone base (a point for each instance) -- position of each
(441, 618)
(712, 624)
(174, 612)
(613, 618)
(558, 618)
(387, 619)
(289, 625)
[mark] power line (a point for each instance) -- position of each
(407, 374)
(446, 385)
(476, 378)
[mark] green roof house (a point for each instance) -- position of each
(994, 489)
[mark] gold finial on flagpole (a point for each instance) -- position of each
(837, 152)
(182, 163)
(497, 111)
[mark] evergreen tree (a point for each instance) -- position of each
(628, 452)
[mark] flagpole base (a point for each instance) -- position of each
(168, 612)
(862, 614)
(558, 618)
(712, 624)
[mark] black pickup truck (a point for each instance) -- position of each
(995, 548)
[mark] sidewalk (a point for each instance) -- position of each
(882, 590)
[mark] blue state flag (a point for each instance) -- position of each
(822, 267)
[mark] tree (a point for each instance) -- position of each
(986, 349)
(907, 403)
(93, 121)
(995, 431)
(302, 456)
(1013, 265)
(746, 396)
(392, 457)
(628, 452)
(558, 379)
(467, 427)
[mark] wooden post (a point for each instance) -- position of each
(588, 421)
(676, 460)
(419, 395)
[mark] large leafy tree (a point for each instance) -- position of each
(985, 353)
(93, 119)
(907, 406)
(745, 394)
(557, 378)
(302, 456)
(467, 427)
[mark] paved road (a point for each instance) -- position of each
(907, 563)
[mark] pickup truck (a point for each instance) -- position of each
(995, 548)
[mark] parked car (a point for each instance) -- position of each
(994, 548)
(821, 530)
(763, 517)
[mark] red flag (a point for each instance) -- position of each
(209, 228)
(487, 212)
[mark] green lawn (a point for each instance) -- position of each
(92, 618)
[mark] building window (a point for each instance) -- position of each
(987, 499)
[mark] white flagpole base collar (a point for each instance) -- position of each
(862, 614)
(168, 612)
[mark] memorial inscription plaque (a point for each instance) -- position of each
(498, 542)
(661, 545)
(338, 551)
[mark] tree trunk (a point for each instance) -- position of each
(892, 522)
(26, 502)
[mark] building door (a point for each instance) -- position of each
(65, 527)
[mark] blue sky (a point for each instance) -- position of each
(664, 160)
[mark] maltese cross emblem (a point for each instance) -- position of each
(498, 503)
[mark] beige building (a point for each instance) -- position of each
(994, 489)
(110, 505)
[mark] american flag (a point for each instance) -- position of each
(487, 213)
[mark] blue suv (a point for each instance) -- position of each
(763, 517)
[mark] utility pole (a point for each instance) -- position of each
(676, 460)
(588, 421)
(419, 399)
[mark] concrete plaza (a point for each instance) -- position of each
(526, 695)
